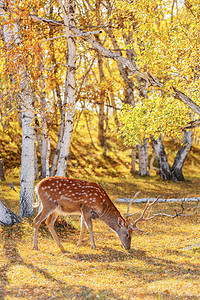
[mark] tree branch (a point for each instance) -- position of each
(186, 100)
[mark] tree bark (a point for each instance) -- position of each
(181, 156)
(44, 157)
(68, 14)
(143, 158)
(60, 134)
(36, 163)
(2, 170)
(101, 130)
(163, 165)
(11, 36)
(7, 217)
(62, 106)
(27, 161)
(133, 159)
(186, 100)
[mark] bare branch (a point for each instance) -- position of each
(86, 33)
(192, 124)
(54, 38)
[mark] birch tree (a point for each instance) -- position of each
(14, 48)
(7, 217)
(68, 18)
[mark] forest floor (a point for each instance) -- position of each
(156, 267)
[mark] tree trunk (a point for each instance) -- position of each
(27, 161)
(129, 92)
(62, 106)
(133, 159)
(36, 163)
(101, 130)
(143, 158)
(11, 35)
(106, 130)
(2, 170)
(60, 134)
(181, 156)
(7, 217)
(45, 138)
(114, 110)
(44, 150)
(68, 14)
(163, 165)
(47, 156)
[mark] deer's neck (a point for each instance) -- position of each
(110, 217)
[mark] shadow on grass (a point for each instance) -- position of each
(155, 268)
(61, 291)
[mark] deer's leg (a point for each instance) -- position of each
(50, 223)
(83, 226)
(37, 221)
(88, 221)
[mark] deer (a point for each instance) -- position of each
(61, 195)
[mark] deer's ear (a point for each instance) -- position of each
(120, 222)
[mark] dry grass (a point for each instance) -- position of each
(155, 268)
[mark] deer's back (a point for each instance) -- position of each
(72, 195)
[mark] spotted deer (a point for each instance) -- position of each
(61, 195)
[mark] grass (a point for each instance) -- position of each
(156, 267)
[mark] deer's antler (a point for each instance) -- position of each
(142, 218)
(129, 205)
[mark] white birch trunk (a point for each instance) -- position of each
(11, 34)
(27, 160)
(60, 136)
(45, 138)
(47, 156)
(143, 158)
(163, 165)
(7, 217)
(44, 158)
(68, 14)
(36, 163)
(181, 156)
